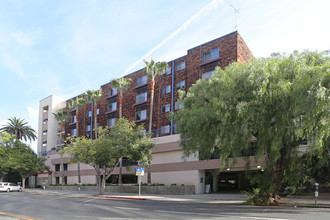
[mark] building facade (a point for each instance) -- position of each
(167, 165)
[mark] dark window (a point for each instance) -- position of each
(166, 108)
(113, 91)
(180, 66)
(207, 75)
(140, 115)
(142, 80)
(180, 85)
(57, 167)
(65, 167)
(210, 55)
(166, 89)
(168, 71)
(141, 98)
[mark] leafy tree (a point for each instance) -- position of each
(153, 69)
(94, 96)
(20, 129)
(122, 85)
(281, 100)
(62, 116)
(77, 104)
(104, 153)
(19, 157)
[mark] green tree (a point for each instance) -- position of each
(153, 69)
(77, 104)
(62, 116)
(94, 96)
(122, 85)
(281, 101)
(20, 129)
(20, 157)
(104, 153)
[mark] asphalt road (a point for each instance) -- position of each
(20, 205)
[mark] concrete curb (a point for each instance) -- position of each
(119, 197)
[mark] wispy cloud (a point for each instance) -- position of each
(26, 38)
(212, 5)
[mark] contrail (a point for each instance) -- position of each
(213, 4)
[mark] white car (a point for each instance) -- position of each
(7, 187)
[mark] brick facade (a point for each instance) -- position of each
(231, 49)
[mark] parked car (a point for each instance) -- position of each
(8, 187)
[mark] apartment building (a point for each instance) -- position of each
(167, 166)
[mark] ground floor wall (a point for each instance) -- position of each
(168, 167)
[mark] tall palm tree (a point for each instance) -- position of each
(122, 85)
(153, 69)
(20, 129)
(77, 104)
(94, 96)
(62, 116)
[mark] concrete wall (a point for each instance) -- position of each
(168, 190)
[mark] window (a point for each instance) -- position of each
(210, 55)
(141, 115)
(65, 180)
(73, 132)
(142, 80)
(180, 85)
(89, 114)
(166, 89)
(207, 75)
(65, 167)
(45, 120)
(180, 66)
(98, 111)
(57, 180)
(44, 144)
(44, 132)
(113, 91)
(112, 106)
(178, 105)
(141, 98)
(165, 130)
(111, 122)
(57, 167)
(166, 108)
(73, 119)
(168, 70)
(88, 128)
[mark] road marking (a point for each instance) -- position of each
(215, 215)
(86, 201)
(19, 216)
(137, 209)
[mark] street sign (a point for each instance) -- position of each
(139, 171)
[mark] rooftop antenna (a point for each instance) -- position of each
(236, 12)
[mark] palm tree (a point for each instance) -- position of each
(77, 104)
(122, 85)
(62, 116)
(94, 96)
(20, 129)
(153, 69)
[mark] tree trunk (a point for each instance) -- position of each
(77, 123)
(120, 104)
(120, 180)
(62, 169)
(23, 183)
(150, 124)
(95, 120)
(79, 177)
(102, 185)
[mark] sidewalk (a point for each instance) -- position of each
(215, 198)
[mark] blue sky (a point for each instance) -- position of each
(65, 47)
